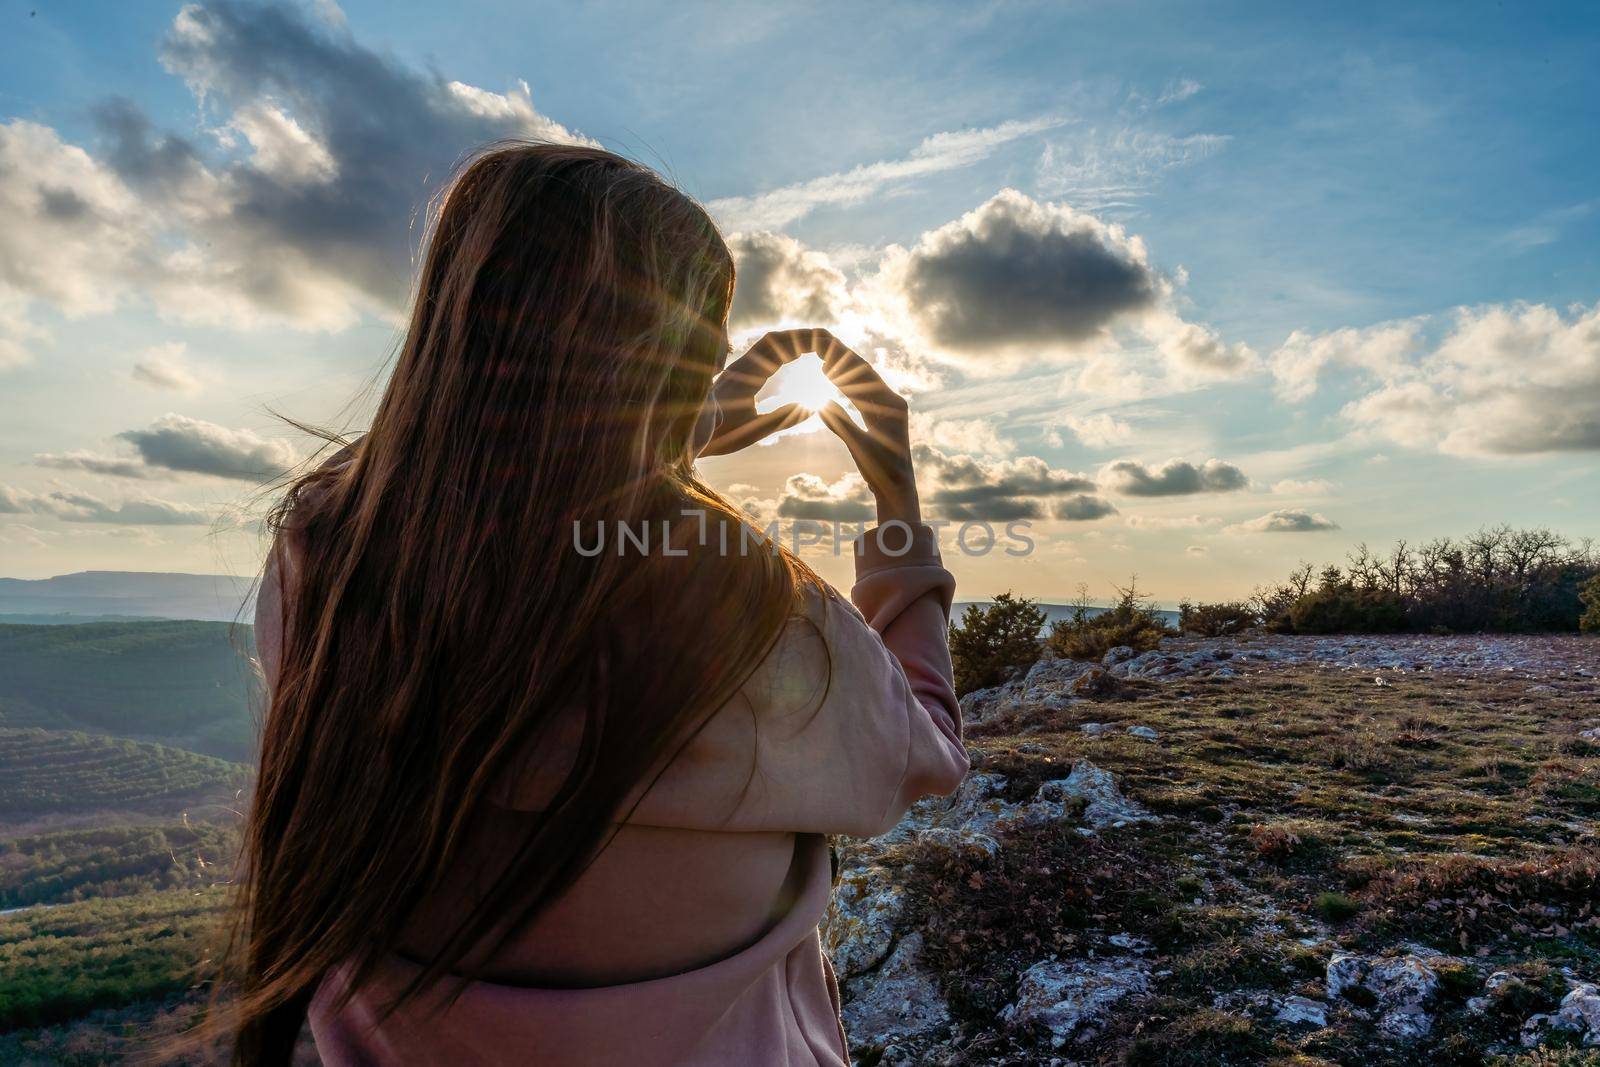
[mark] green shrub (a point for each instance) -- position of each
(1216, 620)
(1497, 580)
(1590, 595)
(1345, 610)
(1336, 907)
(990, 642)
(1131, 622)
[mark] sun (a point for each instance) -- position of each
(802, 382)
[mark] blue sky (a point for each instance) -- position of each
(1290, 278)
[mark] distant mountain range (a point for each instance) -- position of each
(108, 596)
(105, 595)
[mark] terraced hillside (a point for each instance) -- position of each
(54, 772)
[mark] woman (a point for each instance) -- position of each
(521, 803)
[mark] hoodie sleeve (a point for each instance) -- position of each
(850, 720)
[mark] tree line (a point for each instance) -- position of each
(1498, 580)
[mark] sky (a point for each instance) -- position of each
(1196, 292)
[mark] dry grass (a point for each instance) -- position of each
(1304, 810)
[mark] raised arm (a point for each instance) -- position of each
(854, 715)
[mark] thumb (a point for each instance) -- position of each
(854, 437)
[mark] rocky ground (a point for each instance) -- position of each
(1355, 850)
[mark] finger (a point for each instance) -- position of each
(775, 348)
(752, 430)
(861, 382)
(857, 440)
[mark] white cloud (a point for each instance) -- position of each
(1382, 350)
(1303, 487)
(1178, 89)
(1171, 522)
(15, 501)
(327, 149)
(166, 367)
(72, 506)
(284, 151)
(1507, 379)
(1097, 431)
(941, 152)
(779, 280)
(977, 435)
(1284, 521)
(92, 463)
(1105, 169)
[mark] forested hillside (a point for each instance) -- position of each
(114, 861)
(58, 963)
(184, 683)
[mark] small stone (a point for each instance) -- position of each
(1302, 1011)
(1104, 803)
(1072, 998)
(1580, 1013)
(1143, 731)
(1096, 729)
(1403, 986)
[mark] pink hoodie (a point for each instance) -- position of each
(684, 880)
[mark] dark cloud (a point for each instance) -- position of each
(780, 279)
(143, 156)
(1175, 477)
(390, 133)
(825, 510)
(1083, 508)
(1017, 272)
(966, 488)
(806, 496)
(179, 443)
(64, 205)
(301, 202)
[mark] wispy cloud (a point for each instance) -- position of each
(1099, 169)
(941, 152)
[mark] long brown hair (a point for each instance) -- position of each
(569, 318)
